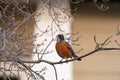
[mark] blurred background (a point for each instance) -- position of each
(89, 21)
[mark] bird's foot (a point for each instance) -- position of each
(79, 59)
(66, 60)
(61, 60)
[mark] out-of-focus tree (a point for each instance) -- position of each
(17, 20)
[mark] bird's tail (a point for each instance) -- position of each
(75, 56)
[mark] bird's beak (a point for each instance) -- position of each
(57, 36)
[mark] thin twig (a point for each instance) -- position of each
(55, 72)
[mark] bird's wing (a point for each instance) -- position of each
(71, 50)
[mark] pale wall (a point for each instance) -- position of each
(103, 65)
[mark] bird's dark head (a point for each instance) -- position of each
(60, 37)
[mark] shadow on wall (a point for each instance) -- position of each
(88, 9)
(10, 78)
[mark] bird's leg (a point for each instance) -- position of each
(61, 60)
(67, 60)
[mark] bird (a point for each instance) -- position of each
(64, 49)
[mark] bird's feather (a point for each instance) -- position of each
(71, 50)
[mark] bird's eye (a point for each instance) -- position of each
(57, 36)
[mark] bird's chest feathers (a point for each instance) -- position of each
(63, 50)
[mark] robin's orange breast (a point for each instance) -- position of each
(63, 50)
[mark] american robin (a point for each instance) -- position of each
(64, 49)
